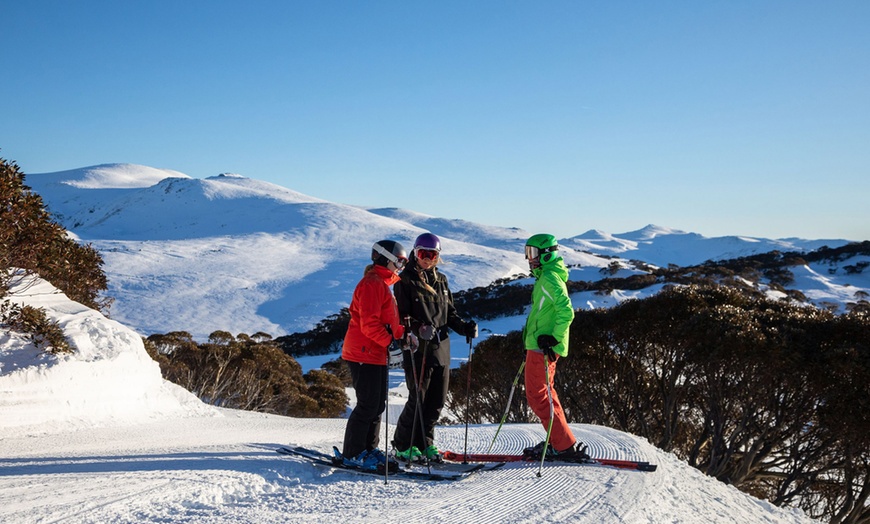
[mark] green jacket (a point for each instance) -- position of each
(551, 312)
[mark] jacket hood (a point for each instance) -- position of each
(388, 276)
(556, 265)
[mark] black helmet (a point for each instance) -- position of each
(386, 251)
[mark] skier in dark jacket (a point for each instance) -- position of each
(426, 305)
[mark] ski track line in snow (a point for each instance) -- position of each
(267, 489)
(78, 487)
(514, 438)
(513, 493)
(124, 489)
(504, 495)
(509, 494)
(558, 495)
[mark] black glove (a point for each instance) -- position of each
(546, 343)
(470, 330)
(427, 332)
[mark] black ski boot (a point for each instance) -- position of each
(534, 452)
(576, 453)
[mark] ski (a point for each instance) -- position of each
(449, 473)
(496, 457)
(448, 467)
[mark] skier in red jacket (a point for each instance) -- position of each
(374, 323)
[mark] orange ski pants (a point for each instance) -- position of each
(536, 371)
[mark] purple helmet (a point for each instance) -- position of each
(428, 241)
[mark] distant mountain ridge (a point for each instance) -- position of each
(662, 246)
(237, 254)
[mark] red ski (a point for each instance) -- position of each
(495, 457)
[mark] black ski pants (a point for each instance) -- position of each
(433, 392)
(363, 426)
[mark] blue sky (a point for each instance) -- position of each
(716, 117)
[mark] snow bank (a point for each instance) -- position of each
(108, 380)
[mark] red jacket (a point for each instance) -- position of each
(371, 309)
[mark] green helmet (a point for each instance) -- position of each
(543, 245)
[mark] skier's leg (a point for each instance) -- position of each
(538, 397)
(402, 436)
(561, 435)
(361, 432)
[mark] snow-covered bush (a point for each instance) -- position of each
(32, 322)
(31, 241)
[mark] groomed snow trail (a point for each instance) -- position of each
(225, 469)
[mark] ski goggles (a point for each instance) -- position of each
(426, 254)
(533, 252)
(399, 261)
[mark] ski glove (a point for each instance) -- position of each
(546, 343)
(470, 330)
(410, 342)
(395, 357)
(427, 332)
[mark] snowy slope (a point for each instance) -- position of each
(237, 254)
(830, 285)
(98, 436)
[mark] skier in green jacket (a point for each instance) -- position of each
(546, 339)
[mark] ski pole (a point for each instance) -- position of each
(508, 407)
(387, 415)
(387, 405)
(550, 425)
(467, 400)
(418, 414)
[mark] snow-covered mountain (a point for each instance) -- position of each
(237, 254)
(98, 436)
(661, 246)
